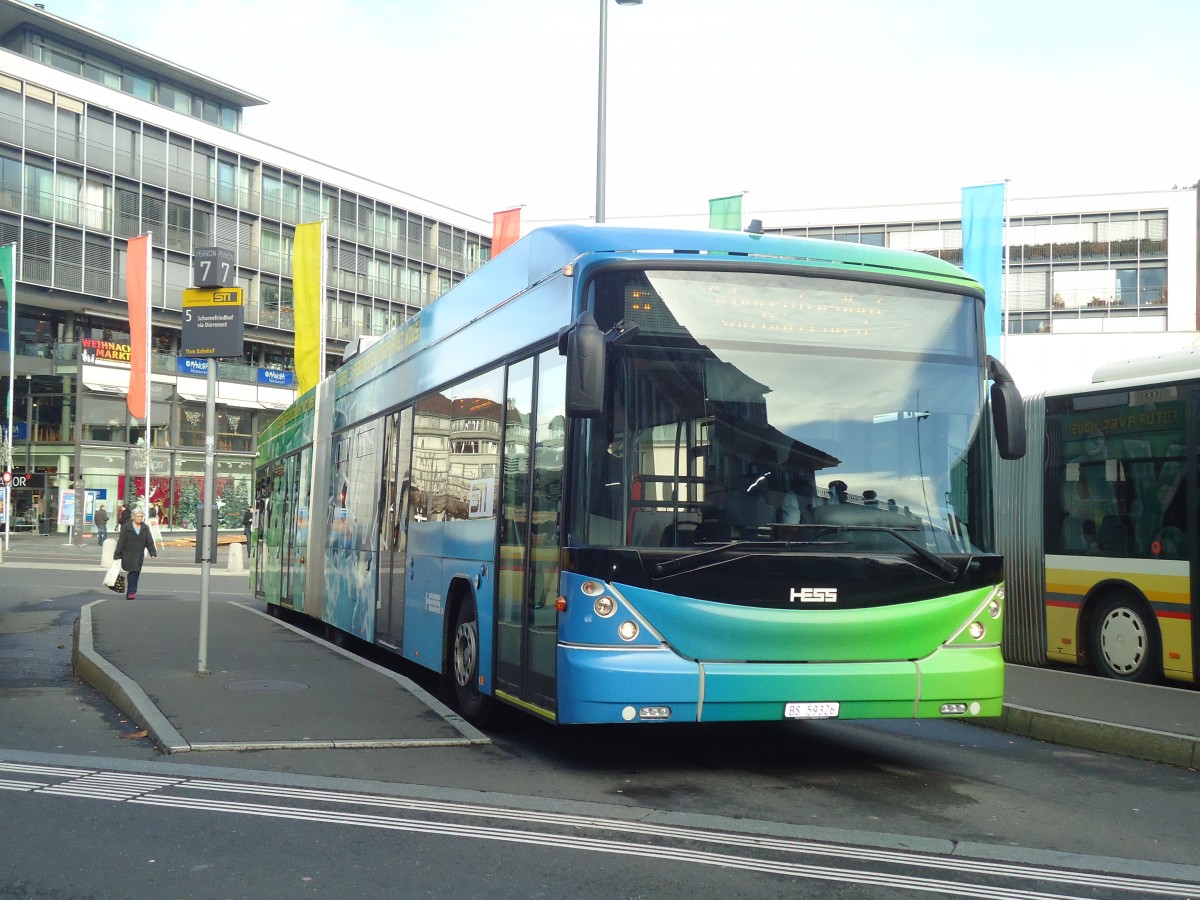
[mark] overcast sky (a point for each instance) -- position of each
(486, 104)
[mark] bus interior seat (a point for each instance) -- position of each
(648, 526)
(714, 527)
(681, 533)
(1113, 536)
(1172, 543)
(1072, 534)
(749, 511)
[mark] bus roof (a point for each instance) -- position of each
(1184, 363)
(549, 249)
(1141, 373)
(546, 252)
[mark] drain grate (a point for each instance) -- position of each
(266, 686)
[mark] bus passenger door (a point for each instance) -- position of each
(1191, 539)
(526, 618)
(393, 537)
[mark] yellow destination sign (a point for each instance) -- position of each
(212, 297)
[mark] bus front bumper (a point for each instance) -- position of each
(612, 685)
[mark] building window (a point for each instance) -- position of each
(69, 115)
(128, 155)
(39, 191)
(99, 140)
(142, 86)
(10, 184)
(66, 198)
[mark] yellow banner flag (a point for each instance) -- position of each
(308, 294)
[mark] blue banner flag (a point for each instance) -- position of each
(983, 252)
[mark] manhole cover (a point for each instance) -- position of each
(275, 686)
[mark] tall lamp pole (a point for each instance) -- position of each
(602, 102)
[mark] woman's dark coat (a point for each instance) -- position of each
(132, 546)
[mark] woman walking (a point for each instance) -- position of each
(132, 543)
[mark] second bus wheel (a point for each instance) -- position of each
(1122, 640)
(475, 706)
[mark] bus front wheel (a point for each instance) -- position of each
(1122, 640)
(474, 704)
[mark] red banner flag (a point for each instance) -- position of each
(506, 229)
(137, 263)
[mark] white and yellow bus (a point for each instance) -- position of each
(1099, 524)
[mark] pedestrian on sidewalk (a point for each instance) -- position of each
(132, 543)
(123, 516)
(247, 522)
(100, 520)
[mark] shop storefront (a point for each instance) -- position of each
(77, 421)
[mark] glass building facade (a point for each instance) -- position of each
(99, 143)
(1065, 266)
(1087, 279)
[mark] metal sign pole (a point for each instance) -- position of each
(212, 326)
(208, 532)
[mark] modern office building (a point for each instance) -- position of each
(101, 142)
(1088, 279)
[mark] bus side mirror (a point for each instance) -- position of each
(1008, 413)
(583, 344)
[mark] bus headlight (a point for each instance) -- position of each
(627, 630)
(995, 604)
(605, 606)
(977, 630)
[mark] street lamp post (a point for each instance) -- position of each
(601, 103)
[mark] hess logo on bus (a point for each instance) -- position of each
(814, 595)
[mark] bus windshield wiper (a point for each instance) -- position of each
(941, 566)
(697, 559)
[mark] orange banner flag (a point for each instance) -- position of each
(506, 230)
(137, 295)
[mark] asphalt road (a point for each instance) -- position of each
(942, 789)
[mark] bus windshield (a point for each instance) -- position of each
(826, 413)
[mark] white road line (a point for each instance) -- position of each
(43, 770)
(665, 854)
(149, 790)
(10, 785)
(763, 842)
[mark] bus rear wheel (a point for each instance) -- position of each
(474, 705)
(1122, 641)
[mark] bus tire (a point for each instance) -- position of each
(1123, 640)
(464, 660)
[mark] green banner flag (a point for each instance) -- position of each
(7, 264)
(8, 260)
(725, 213)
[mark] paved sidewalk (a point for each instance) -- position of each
(268, 685)
(1144, 721)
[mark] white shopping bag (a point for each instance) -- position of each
(114, 571)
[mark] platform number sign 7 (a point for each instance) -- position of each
(208, 266)
(213, 267)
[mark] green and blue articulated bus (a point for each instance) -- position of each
(624, 475)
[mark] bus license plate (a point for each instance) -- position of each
(811, 710)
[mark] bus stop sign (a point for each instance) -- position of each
(213, 322)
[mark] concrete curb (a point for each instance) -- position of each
(123, 691)
(1105, 737)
